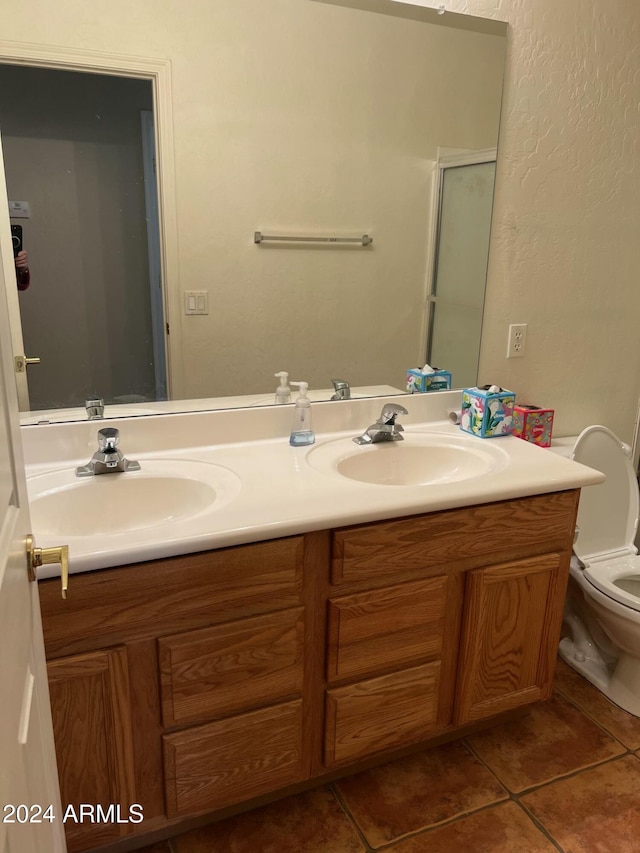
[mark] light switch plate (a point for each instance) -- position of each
(19, 210)
(196, 302)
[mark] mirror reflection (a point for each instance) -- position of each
(335, 125)
(79, 168)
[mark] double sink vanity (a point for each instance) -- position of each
(246, 619)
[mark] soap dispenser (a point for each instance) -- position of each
(283, 392)
(301, 430)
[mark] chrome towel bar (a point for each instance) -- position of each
(259, 237)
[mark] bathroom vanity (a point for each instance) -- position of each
(206, 683)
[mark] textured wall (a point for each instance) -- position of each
(565, 253)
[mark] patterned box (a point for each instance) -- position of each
(488, 411)
(533, 423)
(417, 381)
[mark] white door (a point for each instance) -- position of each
(30, 816)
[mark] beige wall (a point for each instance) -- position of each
(268, 122)
(565, 254)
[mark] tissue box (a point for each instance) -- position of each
(487, 414)
(417, 381)
(533, 423)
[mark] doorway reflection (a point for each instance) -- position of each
(462, 251)
(73, 150)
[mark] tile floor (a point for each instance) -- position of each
(566, 778)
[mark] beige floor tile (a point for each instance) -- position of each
(554, 740)
(622, 725)
(313, 822)
(417, 792)
(595, 811)
(502, 829)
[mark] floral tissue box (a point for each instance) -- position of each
(428, 379)
(488, 411)
(533, 423)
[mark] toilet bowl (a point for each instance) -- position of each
(601, 629)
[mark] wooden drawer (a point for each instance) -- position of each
(371, 716)
(458, 538)
(177, 594)
(381, 628)
(231, 667)
(235, 759)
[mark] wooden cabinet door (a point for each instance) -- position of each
(511, 628)
(94, 744)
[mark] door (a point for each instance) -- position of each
(462, 251)
(9, 281)
(30, 821)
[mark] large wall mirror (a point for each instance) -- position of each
(342, 119)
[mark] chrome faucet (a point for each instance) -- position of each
(342, 389)
(95, 409)
(385, 428)
(107, 459)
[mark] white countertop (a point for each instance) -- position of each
(280, 493)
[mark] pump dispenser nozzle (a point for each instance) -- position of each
(283, 392)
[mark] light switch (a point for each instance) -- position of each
(196, 302)
(19, 210)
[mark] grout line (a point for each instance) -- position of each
(571, 775)
(425, 830)
(543, 829)
(568, 775)
(347, 811)
(486, 766)
(597, 722)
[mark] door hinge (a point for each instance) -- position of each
(167, 328)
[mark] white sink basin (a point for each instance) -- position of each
(163, 492)
(421, 459)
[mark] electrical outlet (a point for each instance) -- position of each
(517, 340)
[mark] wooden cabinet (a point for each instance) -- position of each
(91, 710)
(179, 684)
(195, 684)
(479, 608)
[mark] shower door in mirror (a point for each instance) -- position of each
(462, 249)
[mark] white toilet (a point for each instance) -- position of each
(601, 630)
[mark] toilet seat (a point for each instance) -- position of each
(608, 517)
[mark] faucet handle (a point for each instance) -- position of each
(390, 412)
(108, 439)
